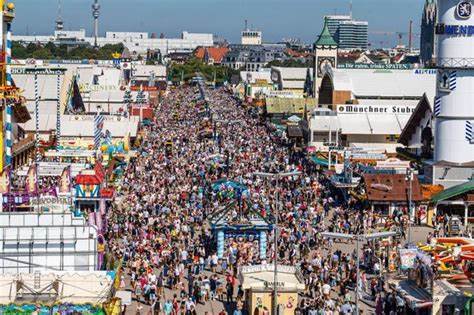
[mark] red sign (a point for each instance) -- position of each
(145, 88)
(107, 192)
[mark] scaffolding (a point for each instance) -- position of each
(32, 242)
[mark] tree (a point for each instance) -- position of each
(189, 69)
(42, 53)
(51, 50)
(19, 51)
(292, 63)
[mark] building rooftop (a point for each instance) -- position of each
(391, 187)
(325, 39)
(366, 83)
(215, 53)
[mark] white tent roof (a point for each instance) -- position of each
(252, 76)
(292, 73)
(47, 85)
(361, 123)
(146, 70)
(385, 83)
(260, 276)
(83, 125)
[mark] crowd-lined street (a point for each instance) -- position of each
(159, 222)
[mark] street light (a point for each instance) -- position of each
(277, 176)
(409, 178)
(367, 237)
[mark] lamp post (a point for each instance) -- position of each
(358, 238)
(409, 178)
(277, 176)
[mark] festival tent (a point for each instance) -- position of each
(79, 287)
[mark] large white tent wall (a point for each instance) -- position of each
(46, 242)
(60, 287)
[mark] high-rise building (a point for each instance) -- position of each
(333, 22)
(427, 37)
(353, 35)
(348, 33)
(251, 37)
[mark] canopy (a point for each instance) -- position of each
(226, 183)
(261, 277)
(320, 161)
(454, 191)
(294, 118)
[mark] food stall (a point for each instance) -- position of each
(258, 283)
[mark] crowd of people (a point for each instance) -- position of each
(159, 221)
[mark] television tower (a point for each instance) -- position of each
(59, 20)
(95, 15)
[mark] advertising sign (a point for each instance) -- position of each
(443, 29)
(144, 88)
(395, 66)
(39, 71)
(376, 109)
(407, 258)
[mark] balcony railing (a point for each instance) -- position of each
(463, 63)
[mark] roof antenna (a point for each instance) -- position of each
(246, 25)
(350, 8)
(59, 20)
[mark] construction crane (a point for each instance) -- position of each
(389, 35)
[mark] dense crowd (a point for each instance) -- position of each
(159, 222)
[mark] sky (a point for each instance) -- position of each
(277, 19)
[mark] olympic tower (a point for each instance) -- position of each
(454, 102)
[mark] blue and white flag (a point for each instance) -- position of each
(98, 126)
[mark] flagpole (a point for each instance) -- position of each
(37, 153)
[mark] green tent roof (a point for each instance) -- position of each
(325, 39)
(320, 161)
(453, 191)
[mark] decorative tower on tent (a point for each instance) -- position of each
(453, 105)
(141, 98)
(9, 94)
(427, 42)
(325, 55)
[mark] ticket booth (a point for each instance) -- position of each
(258, 283)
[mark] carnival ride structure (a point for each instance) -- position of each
(453, 255)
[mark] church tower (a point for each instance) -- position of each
(325, 55)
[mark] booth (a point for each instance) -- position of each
(258, 283)
(248, 228)
(448, 299)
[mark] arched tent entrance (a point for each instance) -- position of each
(326, 90)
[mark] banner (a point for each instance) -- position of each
(65, 182)
(407, 258)
(31, 185)
(5, 181)
(145, 88)
(38, 71)
(377, 66)
(99, 171)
